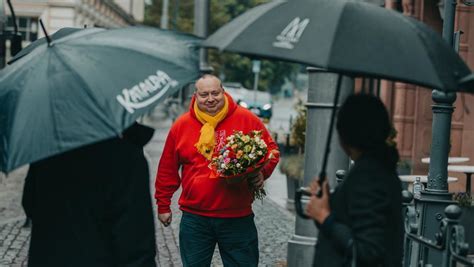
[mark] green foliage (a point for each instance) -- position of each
(293, 166)
(298, 129)
(180, 14)
(463, 199)
(232, 66)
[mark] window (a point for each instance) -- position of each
(27, 27)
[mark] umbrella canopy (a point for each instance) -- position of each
(86, 87)
(350, 37)
(42, 41)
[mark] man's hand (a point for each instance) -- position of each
(165, 218)
(318, 208)
(257, 180)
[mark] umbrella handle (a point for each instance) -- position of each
(322, 178)
(298, 206)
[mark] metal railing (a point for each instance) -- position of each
(449, 241)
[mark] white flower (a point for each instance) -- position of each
(238, 165)
(259, 153)
(251, 155)
(223, 166)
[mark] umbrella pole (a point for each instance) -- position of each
(48, 39)
(322, 173)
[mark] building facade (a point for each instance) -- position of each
(56, 14)
(411, 106)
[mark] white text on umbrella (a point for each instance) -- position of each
(291, 34)
(146, 92)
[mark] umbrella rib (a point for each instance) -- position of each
(11, 71)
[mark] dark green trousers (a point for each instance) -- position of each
(236, 238)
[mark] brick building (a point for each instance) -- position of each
(410, 105)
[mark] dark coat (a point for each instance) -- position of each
(366, 211)
(92, 206)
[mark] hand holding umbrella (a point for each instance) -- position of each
(318, 207)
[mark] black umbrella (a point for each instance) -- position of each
(88, 86)
(350, 37)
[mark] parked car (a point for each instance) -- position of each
(235, 90)
(260, 103)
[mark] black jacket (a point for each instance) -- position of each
(366, 214)
(92, 206)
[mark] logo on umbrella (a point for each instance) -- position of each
(291, 34)
(146, 92)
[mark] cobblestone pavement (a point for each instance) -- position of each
(274, 223)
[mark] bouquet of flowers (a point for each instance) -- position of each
(242, 156)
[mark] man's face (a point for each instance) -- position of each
(209, 95)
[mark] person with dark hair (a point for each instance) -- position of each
(91, 206)
(361, 222)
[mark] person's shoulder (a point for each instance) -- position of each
(182, 122)
(372, 170)
(183, 119)
(243, 113)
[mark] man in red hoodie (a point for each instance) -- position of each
(214, 212)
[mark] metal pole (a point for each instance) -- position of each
(3, 22)
(436, 197)
(255, 86)
(176, 15)
(256, 70)
(448, 22)
(321, 92)
(201, 22)
(164, 14)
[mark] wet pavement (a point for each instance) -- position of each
(274, 222)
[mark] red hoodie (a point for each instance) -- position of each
(181, 163)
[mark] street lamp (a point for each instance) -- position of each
(3, 21)
(201, 22)
(164, 15)
(436, 196)
(440, 5)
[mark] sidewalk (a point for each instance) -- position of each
(274, 223)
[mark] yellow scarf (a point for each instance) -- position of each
(206, 142)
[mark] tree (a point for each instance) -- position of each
(229, 66)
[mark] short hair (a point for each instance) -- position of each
(207, 75)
